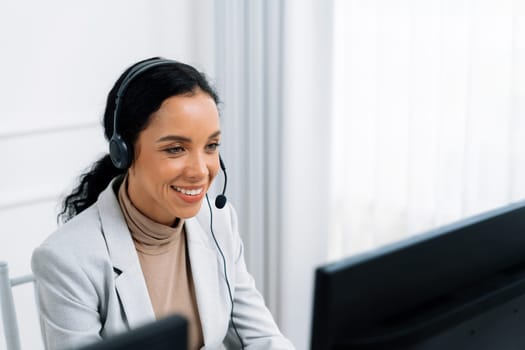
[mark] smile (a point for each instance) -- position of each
(194, 192)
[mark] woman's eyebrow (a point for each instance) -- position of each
(179, 138)
(174, 138)
(215, 134)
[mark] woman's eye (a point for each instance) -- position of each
(175, 150)
(212, 146)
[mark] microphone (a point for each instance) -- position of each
(220, 200)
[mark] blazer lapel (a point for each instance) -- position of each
(134, 297)
(205, 272)
(129, 280)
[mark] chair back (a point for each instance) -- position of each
(7, 304)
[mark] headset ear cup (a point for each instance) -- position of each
(119, 152)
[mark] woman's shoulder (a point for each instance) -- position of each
(83, 230)
(226, 216)
(220, 218)
(222, 222)
(78, 238)
(73, 261)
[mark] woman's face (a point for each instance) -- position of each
(176, 158)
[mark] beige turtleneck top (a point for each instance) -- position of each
(165, 264)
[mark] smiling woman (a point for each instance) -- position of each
(137, 244)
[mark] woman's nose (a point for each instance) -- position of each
(197, 167)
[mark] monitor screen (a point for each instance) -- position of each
(461, 286)
(169, 333)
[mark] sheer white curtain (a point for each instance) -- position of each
(428, 123)
(305, 161)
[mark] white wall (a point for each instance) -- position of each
(59, 60)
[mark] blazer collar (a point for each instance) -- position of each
(129, 280)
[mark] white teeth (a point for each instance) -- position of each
(189, 192)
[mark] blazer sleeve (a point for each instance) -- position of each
(67, 299)
(253, 320)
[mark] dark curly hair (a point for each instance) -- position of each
(144, 96)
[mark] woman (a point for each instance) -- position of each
(138, 244)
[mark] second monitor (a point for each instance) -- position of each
(458, 287)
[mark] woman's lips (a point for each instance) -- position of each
(189, 194)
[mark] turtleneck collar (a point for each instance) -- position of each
(150, 237)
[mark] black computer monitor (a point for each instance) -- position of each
(170, 333)
(458, 287)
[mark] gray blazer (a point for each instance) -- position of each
(90, 284)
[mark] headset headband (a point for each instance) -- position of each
(132, 74)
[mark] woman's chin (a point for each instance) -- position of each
(188, 212)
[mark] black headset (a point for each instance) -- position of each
(120, 152)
